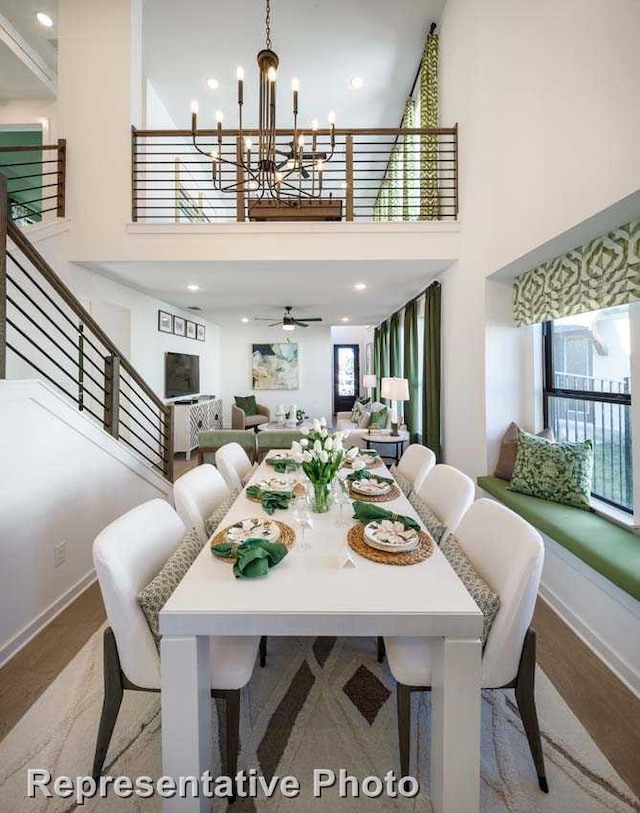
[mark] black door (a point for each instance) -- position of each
(346, 376)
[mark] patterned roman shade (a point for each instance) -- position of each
(599, 274)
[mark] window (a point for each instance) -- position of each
(587, 394)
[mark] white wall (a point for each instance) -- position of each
(547, 100)
(32, 111)
(315, 360)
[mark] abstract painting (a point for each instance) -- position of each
(274, 366)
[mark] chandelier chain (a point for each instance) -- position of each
(267, 23)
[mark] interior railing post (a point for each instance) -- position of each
(455, 170)
(168, 440)
(62, 177)
(239, 182)
(4, 221)
(112, 395)
(134, 176)
(349, 178)
(80, 367)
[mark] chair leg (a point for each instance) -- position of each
(113, 692)
(525, 698)
(404, 726)
(232, 709)
(381, 650)
(263, 651)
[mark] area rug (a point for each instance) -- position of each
(319, 703)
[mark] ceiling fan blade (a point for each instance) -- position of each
(276, 324)
(312, 318)
(263, 318)
(299, 323)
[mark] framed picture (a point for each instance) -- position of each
(179, 326)
(191, 330)
(165, 322)
(201, 333)
(274, 366)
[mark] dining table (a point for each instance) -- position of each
(317, 590)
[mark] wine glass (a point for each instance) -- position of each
(302, 517)
(340, 492)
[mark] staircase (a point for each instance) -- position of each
(46, 333)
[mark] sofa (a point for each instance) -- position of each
(240, 420)
(357, 431)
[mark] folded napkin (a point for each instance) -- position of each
(364, 474)
(282, 464)
(254, 557)
(366, 512)
(270, 500)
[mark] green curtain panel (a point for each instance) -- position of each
(429, 203)
(431, 372)
(377, 360)
(411, 407)
(395, 361)
(385, 351)
(599, 274)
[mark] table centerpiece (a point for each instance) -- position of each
(320, 454)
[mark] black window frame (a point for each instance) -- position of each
(550, 391)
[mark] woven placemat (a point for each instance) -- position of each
(422, 551)
(392, 494)
(287, 537)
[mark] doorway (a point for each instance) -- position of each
(346, 376)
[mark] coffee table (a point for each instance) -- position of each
(396, 441)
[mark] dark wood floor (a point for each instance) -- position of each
(607, 709)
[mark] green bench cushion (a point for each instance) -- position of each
(609, 549)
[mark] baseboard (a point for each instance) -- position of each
(599, 613)
(26, 634)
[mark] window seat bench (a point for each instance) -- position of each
(609, 549)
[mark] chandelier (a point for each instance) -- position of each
(263, 168)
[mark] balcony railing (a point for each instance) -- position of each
(396, 174)
(35, 176)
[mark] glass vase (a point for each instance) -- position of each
(321, 498)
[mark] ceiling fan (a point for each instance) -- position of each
(288, 322)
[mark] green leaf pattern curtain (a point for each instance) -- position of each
(429, 203)
(599, 274)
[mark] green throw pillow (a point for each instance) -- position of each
(247, 404)
(560, 472)
(488, 602)
(378, 419)
(160, 589)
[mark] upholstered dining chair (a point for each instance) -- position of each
(234, 465)
(197, 494)
(448, 492)
(508, 553)
(127, 555)
(414, 465)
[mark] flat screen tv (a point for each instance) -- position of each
(181, 375)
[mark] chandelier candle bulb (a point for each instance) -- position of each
(240, 77)
(194, 116)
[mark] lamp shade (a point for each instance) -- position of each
(369, 381)
(395, 389)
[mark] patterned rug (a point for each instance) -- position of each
(319, 703)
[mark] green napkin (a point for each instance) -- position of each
(366, 512)
(270, 500)
(282, 464)
(254, 557)
(364, 474)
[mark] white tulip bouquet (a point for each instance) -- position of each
(320, 454)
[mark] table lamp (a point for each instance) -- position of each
(370, 382)
(395, 389)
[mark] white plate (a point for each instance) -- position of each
(390, 536)
(371, 487)
(253, 528)
(279, 456)
(275, 484)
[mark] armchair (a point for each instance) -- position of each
(240, 420)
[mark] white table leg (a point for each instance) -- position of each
(186, 715)
(455, 726)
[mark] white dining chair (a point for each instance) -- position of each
(197, 494)
(234, 465)
(414, 465)
(127, 555)
(507, 552)
(448, 492)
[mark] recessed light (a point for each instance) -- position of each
(360, 286)
(357, 82)
(44, 19)
(345, 319)
(193, 287)
(245, 319)
(213, 84)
